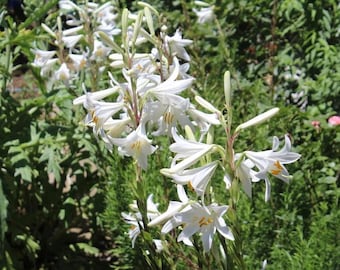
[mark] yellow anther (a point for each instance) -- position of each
(168, 117)
(205, 221)
(82, 63)
(139, 67)
(95, 119)
(137, 145)
(190, 186)
(278, 168)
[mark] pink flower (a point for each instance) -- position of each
(334, 120)
(316, 124)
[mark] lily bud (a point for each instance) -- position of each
(258, 119)
(227, 88)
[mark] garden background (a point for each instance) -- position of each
(62, 192)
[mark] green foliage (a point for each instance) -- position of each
(51, 183)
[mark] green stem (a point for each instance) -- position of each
(222, 42)
(43, 141)
(235, 256)
(8, 63)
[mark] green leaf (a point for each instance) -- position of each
(88, 248)
(71, 201)
(25, 173)
(31, 244)
(62, 214)
(327, 180)
(3, 216)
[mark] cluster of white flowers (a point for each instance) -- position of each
(76, 45)
(148, 102)
(135, 219)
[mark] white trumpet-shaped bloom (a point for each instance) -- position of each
(174, 207)
(246, 174)
(79, 61)
(188, 152)
(63, 73)
(135, 218)
(166, 117)
(136, 145)
(100, 111)
(71, 41)
(204, 220)
(98, 95)
(176, 45)
(205, 14)
(100, 51)
(167, 91)
(197, 178)
(41, 57)
(272, 162)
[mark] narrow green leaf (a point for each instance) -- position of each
(88, 248)
(3, 216)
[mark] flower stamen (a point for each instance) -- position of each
(278, 169)
(205, 221)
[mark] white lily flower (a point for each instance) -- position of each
(167, 91)
(174, 207)
(135, 224)
(189, 152)
(115, 127)
(91, 6)
(176, 45)
(100, 51)
(136, 145)
(135, 219)
(183, 71)
(200, 219)
(41, 57)
(102, 112)
(246, 174)
(79, 61)
(72, 31)
(166, 116)
(272, 162)
(159, 244)
(73, 21)
(197, 178)
(71, 41)
(67, 5)
(48, 66)
(152, 208)
(203, 120)
(105, 13)
(106, 19)
(205, 14)
(98, 95)
(142, 67)
(63, 73)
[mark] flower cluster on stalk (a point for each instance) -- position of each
(148, 74)
(76, 44)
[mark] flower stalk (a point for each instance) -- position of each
(146, 100)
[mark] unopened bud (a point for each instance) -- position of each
(227, 88)
(258, 119)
